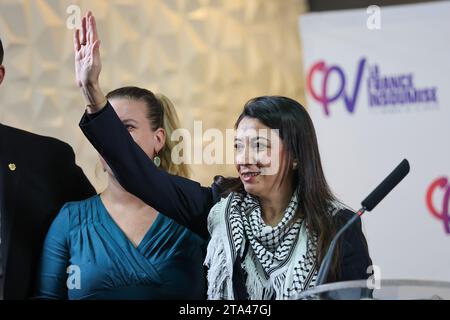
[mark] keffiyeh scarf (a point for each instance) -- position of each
(278, 261)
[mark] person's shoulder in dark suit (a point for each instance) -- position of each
(45, 177)
(49, 154)
(25, 141)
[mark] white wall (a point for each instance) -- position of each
(360, 148)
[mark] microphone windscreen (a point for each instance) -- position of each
(386, 186)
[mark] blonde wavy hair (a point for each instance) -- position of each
(161, 114)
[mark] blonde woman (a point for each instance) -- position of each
(115, 245)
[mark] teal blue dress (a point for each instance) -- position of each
(87, 256)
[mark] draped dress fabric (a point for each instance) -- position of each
(167, 263)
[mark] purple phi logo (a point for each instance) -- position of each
(323, 96)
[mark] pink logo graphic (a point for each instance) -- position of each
(323, 96)
(440, 185)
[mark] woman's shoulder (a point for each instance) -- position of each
(74, 212)
(354, 240)
(216, 216)
(343, 214)
(220, 203)
(82, 203)
(68, 218)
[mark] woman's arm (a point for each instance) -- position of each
(52, 276)
(181, 199)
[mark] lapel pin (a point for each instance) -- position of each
(12, 166)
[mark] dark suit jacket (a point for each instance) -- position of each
(45, 177)
(184, 200)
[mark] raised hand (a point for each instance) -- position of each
(88, 63)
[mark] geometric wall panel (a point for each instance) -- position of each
(208, 56)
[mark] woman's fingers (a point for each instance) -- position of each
(89, 28)
(93, 27)
(88, 33)
(76, 40)
(83, 32)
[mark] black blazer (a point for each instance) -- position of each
(45, 177)
(184, 200)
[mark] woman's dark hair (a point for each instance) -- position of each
(162, 114)
(298, 136)
(1, 52)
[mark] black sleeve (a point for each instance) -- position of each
(74, 184)
(355, 252)
(183, 200)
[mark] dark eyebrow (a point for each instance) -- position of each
(260, 138)
(129, 121)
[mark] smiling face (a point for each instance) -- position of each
(261, 159)
(133, 114)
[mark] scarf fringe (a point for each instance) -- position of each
(279, 284)
(219, 273)
(258, 288)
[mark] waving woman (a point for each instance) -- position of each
(267, 232)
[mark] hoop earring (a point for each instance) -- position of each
(157, 161)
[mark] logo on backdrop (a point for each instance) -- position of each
(387, 92)
(324, 97)
(440, 210)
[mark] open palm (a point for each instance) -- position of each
(87, 54)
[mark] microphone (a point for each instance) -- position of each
(368, 204)
(386, 186)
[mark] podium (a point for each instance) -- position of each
(385, 290)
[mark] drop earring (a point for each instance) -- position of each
(157, 161)
(295, 165)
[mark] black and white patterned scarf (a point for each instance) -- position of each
(279, 261)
